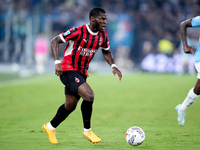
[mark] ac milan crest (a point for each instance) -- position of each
(77, 80)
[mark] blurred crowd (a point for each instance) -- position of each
(137, 29)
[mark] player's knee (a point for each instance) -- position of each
(197, 91)
(89, 96)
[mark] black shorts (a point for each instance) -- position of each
(72, 80)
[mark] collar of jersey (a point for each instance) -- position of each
(93, 33)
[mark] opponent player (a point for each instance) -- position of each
(195, 91)
(82, 44)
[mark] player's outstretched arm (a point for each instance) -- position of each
(55, 52)
(183, 31)
(109, 58)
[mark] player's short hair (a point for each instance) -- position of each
(95, 12)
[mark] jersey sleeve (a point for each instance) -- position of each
(196, 21)
(70, 34)
(106, 44)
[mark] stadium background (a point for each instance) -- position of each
(144, 34)
(143, 99)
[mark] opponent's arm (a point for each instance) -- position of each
(109, 58)
(183, 31)
(55, 52)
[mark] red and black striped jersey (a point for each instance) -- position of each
(82, 45)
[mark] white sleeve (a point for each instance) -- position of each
(62, 38)
(106, 49)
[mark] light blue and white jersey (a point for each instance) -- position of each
(196, 23)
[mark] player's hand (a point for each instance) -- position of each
(58, 69)
(188, 49)
(118, 72)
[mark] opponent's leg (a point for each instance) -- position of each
(87, 94)
(189, 100)
(193, 94)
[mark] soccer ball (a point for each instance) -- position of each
(135, 136)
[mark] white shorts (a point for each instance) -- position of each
(197, 66)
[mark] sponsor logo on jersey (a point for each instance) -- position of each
(87, 51)
(66, 33)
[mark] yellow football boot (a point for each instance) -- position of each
(91, 137)
(51, 134)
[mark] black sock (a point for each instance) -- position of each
(61, 115)
(86, 108)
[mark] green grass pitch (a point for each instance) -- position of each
(144, 100)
